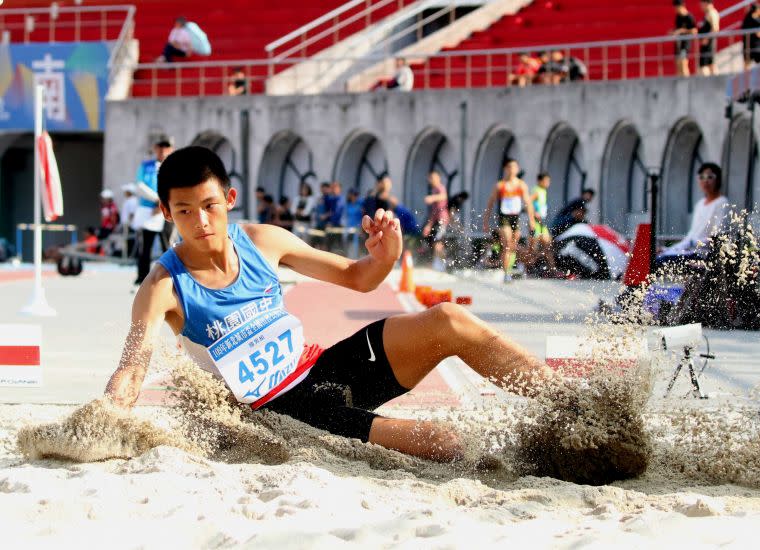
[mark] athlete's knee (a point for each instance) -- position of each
(443, 443)
(451, 319)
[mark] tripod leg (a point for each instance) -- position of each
(673, 379)
(696, 390)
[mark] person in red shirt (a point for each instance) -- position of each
(526, 70)
(109, 214)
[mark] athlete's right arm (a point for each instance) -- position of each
(153, 301)
(489, 208)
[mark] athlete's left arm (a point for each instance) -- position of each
(384, 246)
(529, 206)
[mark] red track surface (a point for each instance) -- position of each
(10, 276)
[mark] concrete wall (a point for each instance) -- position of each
(402, 122)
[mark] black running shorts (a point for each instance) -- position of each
(512, 220)
(348, 381)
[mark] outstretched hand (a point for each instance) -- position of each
(384, 243)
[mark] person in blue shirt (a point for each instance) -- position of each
(218, 288)
(148, 220)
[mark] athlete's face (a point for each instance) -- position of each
(511, 169)
(200, 214)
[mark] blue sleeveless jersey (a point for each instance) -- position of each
(242, 332)
(212, 313)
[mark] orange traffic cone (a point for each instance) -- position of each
(407, 273)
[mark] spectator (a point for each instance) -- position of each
(573, 212)
(707, 219)
(438, 219)
(323, 207)
(127, 215)
(148, 219)
(109, 214)
(354, 209)
(304, 207)
(710, 24)
(283, 215)
(403, 80)
(238, 82)
(379, 197)
(752, 41)
(264, 208)
(269, 211)
(554, 68)
(577, 70)
(179, 44)
(526, 70)
(684, 25)
(91, 245)
(337, 209)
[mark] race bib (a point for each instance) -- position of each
(510, 206)
(256, 357)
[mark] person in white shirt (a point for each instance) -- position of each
(179, 44)
(707, 219)
(403, 80)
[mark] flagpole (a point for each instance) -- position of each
(38, 305)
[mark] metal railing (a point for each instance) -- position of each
(27, 25)
(605, 60)
(326, 30)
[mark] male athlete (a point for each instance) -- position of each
(540, 241)
(218, 289)
(511, 193)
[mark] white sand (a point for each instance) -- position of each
(168, 496)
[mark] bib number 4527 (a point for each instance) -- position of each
(263, 360)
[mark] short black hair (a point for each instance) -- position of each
(542, 175)
(589, 191)
(715, 169)
(188, 167)
(508, 160)
(677, 3)
(283, 200)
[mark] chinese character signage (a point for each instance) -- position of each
(75, 77)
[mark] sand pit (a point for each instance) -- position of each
(206, 473)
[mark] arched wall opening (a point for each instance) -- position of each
(432, 150)
(741, 181)
(360, 162)
(287, 161)
(684, 152)
(498, 145)
(562, 159)
(623, 199)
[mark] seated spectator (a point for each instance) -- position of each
(283, 217)
(553, 68)
(526, 70)
(577, 69)
(708, 218)
(403, 80)
(238, 82)
(752, 41)
(179, 44)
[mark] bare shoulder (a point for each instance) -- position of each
(272, 241)
(156, 295)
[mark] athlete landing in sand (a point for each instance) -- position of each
(219, 290)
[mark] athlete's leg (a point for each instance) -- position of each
(415, 343)
(505, 235)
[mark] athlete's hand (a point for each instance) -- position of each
(384, 243)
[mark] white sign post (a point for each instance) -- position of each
(38, 305)
(20, 355)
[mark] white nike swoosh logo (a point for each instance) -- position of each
(371, 352)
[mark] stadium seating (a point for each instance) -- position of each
(547, 22)
(237, 29)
